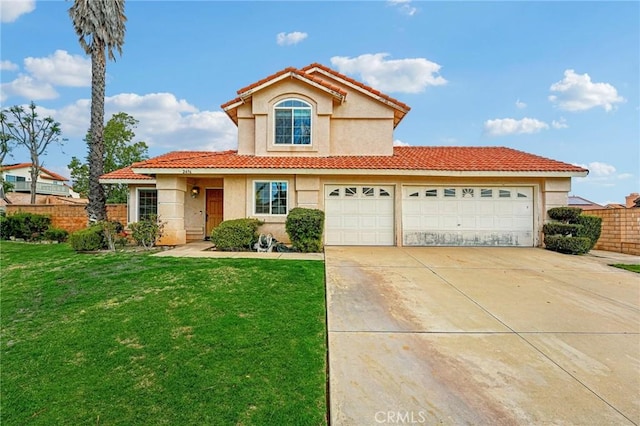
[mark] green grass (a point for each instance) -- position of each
(632, 268)
(131, 339)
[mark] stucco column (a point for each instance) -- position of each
(171, 195)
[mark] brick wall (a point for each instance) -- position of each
(68, 217)
(620, 230)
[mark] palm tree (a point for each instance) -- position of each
(100, 26)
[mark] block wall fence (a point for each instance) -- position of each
(68, 217)
(620, 230)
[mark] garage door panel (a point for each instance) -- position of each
(469, 216)
(360, 215)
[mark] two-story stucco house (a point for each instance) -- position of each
(315, 138)
(48, 183)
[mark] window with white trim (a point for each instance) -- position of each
(147, 203)
(270, 198)
(292, 122)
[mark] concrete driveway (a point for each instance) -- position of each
(481, 336)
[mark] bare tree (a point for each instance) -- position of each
(100, 26)
(6, 146)
(26, 128)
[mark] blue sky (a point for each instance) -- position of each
(557, 79)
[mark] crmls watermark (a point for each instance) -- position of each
(401, 417)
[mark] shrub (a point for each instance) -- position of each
(570, 245)
(591, 228)
(565, 214)
(559, 228)
(4, 227)
(110, 231)
(305, 227)
(88, 239)
(56, 234)
(236, 234)
(147, 232)
(27, 226)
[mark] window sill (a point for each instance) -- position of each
(271, 218)
(292, 148)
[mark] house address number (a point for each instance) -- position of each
(186, 171)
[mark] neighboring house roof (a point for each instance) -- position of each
(583, 203)
(47, 174)
(308, 75)
(421, 160)
(615, 206)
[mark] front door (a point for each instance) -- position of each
(215, 209)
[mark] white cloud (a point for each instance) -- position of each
(8, 66)
(43, 74)
(287, 39)
(11, 10)
(404, 6)
(602, 175)
(410, 75)
(559, 124)
(597, 168)
(576, 92)
(520, 104)
(164, 121)
(61, 69)
(398, 142)
(511, 126)
(28, 88)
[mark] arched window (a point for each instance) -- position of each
(292, 122)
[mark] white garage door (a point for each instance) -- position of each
(359, 215)
(467, 216)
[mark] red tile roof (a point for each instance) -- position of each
(454, 159)
(292, 70)
(307, 73)
(49, 173)
(125, 174)
(310, 68)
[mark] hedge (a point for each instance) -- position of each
(305, 227)
(559, 228)
(570, 245)
(590, 227)
(56, 234)
(88, 239)
(236, 234)
(26, 226)
(564, 214)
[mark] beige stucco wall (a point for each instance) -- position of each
(171, 208)
(185, 216)
(337, 128)
(556, 193)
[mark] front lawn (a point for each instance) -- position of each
(632, 268)
(131, 339)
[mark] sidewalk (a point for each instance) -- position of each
(201, 249)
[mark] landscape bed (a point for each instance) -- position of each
(128, 338)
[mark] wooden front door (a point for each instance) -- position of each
(215, 209)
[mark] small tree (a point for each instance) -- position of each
(6, 146)
(119, 152)
(26, 128)
(148, 231)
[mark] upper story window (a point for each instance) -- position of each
(293, 122)
(12, 178)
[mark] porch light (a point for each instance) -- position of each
(195, 191)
